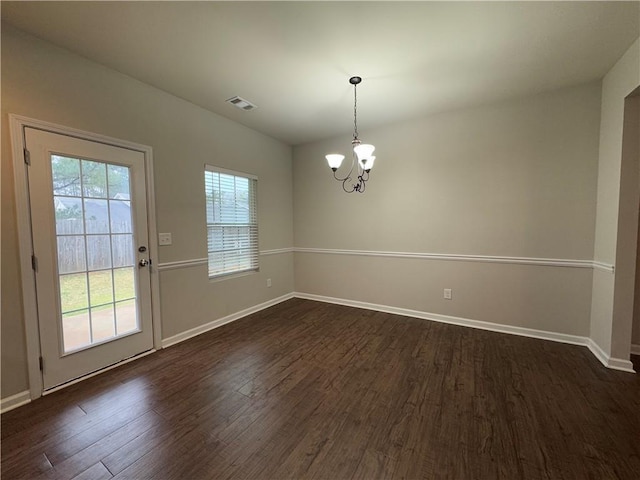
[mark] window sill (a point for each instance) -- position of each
(228, 276)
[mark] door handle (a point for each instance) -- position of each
(144, 262)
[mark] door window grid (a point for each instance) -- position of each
(84, 191)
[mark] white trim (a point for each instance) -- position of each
(14, 401)
(181, 337)
(607, 361)
(613, 363)
(635, 349)
(598, 352)
(620, 364)
(550, 262)
(277, 251)
(98, 372)
(74, 132)
(17, 123)
(192, 262)
(25, 250)
(605, 267)
(464, 322)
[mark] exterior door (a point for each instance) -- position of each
(90, 241)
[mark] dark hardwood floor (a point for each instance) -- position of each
(318, 391)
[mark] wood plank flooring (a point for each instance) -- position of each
(318, 391)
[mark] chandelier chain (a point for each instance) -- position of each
(355, 112)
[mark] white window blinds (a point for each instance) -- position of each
(232, 221)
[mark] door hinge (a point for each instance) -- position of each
(34, 263)
(27, 157)
(41, 363)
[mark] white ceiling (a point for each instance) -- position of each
(293, 59)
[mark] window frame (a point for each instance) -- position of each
(253, 236)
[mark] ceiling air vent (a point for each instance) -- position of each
(241, 103)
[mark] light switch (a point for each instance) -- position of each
(164, 239)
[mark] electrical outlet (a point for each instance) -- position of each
(269, 282)
(164, 239)
(447, 294)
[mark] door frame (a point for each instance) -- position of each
(17, 124)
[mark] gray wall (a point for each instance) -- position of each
(516, 179)
(47, 83)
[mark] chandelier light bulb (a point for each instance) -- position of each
(334, 160)
(363, 151)
(367, 163)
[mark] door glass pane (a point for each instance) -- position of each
(71, 256)
(94, 179)
(124, 283)
(66, 176)
(118, 182)
(103, 325)
(76, 330)
(74, 294)
(94, 227)
(100, 288)
(69, 215)
(122, 250)
(120, 211)
(126, 317)
(96, 216)
(98, 252)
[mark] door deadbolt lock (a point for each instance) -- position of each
(142, 249)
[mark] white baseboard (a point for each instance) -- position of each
(620, 364)
(635, 349)
(606, 360)
(181, 337)
(14, 401)
(464, 322)
(610, 362)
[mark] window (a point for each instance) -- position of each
(232, 221)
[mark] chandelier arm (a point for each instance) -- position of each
(344, 182)
(348, 174)
(338, 178)
(362, 184)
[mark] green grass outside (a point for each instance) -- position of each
(73, 288)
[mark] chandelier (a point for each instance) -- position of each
(361, 156)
